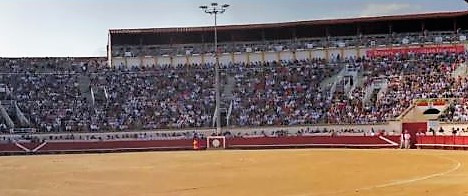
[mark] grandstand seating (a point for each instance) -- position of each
(457, 112)
(410, 77)
(155, 99)
(288, 93)
(395, 39)
(64, 94)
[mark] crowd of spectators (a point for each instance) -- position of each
(457, 111)
(67, 94)
(283, 94)
(411, 76)
(46, 90)
(155, 99)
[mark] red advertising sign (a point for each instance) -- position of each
(427, 49)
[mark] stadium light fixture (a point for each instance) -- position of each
(215, 9)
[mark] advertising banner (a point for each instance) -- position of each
(427, 49)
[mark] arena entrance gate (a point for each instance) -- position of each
(413, 128)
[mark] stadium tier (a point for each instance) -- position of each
(274, 94)
(364, 76)
(282, 41)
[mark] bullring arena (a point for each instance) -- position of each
(235, 172)
(355, 106)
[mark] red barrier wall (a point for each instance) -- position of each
(394, 138)
(6, 148)
(118, 145)
(442, 142)
(187, 144)
(341, 141)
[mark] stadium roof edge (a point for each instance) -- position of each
(287, 24)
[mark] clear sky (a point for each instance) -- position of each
(40, 28)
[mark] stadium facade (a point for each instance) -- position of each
(284, 85)
(281, 41)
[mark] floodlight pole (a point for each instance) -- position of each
(215, 9)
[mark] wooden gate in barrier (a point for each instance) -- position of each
(413, 128)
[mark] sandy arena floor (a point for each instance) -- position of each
(262, 172)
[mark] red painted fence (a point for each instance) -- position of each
(307, 141)
(237, 143)
(442, 142)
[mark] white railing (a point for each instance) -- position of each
(5, 116)
(378, 83)
(383, 89)
(368, 94)
(461, 70)
(214, 116)
(228, 116)
(338, 78)
(22, 118)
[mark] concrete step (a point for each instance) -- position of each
(227, 94)
(461, 71)
(416, 113)
(6, 117)
(84, 83)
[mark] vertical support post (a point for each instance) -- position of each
(217, 87)
(263, 56)
(327, 54)
(141, 61)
